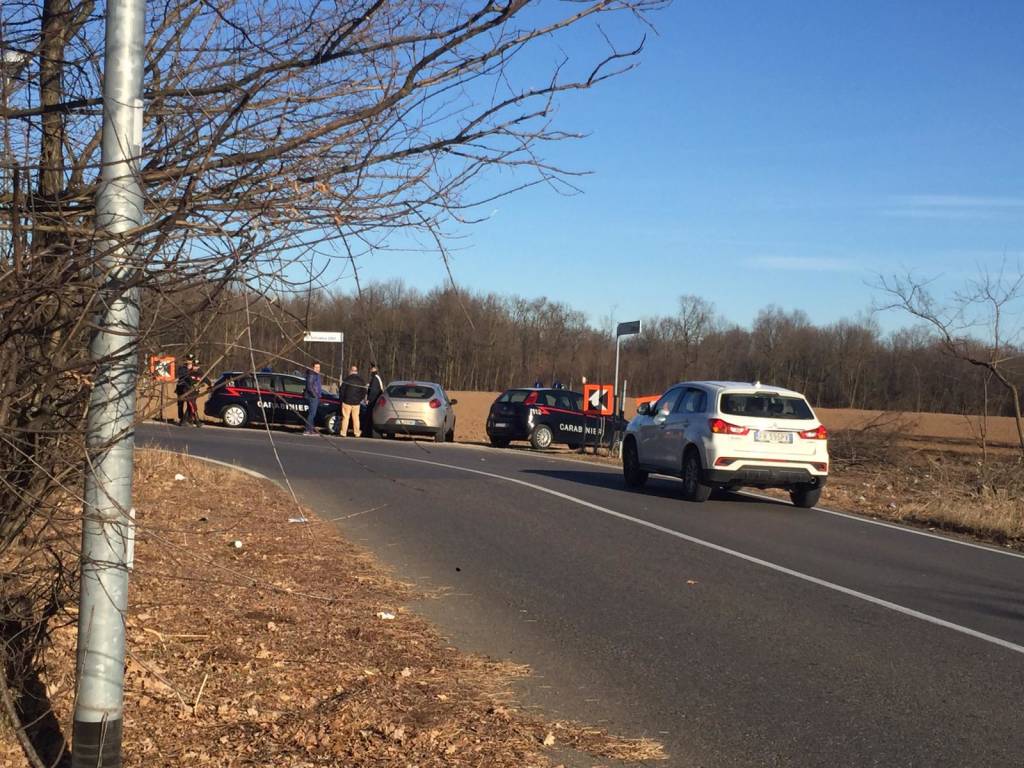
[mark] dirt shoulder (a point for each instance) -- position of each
(292, 648)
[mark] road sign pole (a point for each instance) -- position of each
(110, 440)
(631, 328)
(615, 392)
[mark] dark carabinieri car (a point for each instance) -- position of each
(239, 398)
(547, 416)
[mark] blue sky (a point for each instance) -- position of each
(771, 153)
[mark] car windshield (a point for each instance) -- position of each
(766, 405)
(411, 391)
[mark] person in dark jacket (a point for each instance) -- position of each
(182, 386)
(196, 379)
(312, 393)
(353, 393)
(376, 389)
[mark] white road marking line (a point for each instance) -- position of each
(725, 550)
(236, 467)
(849, 516)
(897, 527)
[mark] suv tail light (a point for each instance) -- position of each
(530, 399)
(435, 403)
(381, 401)
(815, 434)
(720, 427)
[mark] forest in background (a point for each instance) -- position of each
(477, 341)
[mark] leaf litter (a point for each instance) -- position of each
(277, 654)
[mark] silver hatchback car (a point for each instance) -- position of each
(415, 408)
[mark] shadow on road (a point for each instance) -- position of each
(661, 487)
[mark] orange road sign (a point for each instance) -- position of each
(161, 367)
(599, 398)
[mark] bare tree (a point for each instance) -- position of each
(277, 137)
(988, 305)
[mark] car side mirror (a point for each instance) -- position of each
(644, 409)
(453, 402)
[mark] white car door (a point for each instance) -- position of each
(651, 434)
(676, 430)
(684, 425)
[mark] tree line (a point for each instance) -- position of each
(486, 341)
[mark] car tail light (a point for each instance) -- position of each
(530, 399)
(724, 461)
(381, 401)
(435, 403)
(815, 434)
(720, 427)
(820, 466)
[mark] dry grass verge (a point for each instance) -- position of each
(294, 649)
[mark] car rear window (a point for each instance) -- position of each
(234, 380)
(514, 396)
(766, 405)
(411, 391)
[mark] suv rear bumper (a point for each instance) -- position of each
(763, 476)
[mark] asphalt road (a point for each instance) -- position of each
(739, 632)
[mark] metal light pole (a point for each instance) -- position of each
(110, 437)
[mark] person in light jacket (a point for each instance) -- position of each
(353, 393)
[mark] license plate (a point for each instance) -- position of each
(501, 423)
(763, 436)
(407, 421)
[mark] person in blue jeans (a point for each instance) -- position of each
(313, 391)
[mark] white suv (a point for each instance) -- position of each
(725, 434)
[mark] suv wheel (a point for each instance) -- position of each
(234, 416)
(805, 496)
(631, 472)
(541, 437)
(693, 488)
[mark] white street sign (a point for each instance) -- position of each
(332, 336)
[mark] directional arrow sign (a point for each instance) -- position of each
(598, 398)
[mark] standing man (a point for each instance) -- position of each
(182, 386)
(353, 392)
(312, 393)
(374, 392)
(196, 379)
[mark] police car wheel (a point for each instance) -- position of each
(234, 416)
(500, 442)
(541, 437)
(331, 423)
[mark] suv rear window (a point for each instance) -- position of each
(411, 391)
(766, 405)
